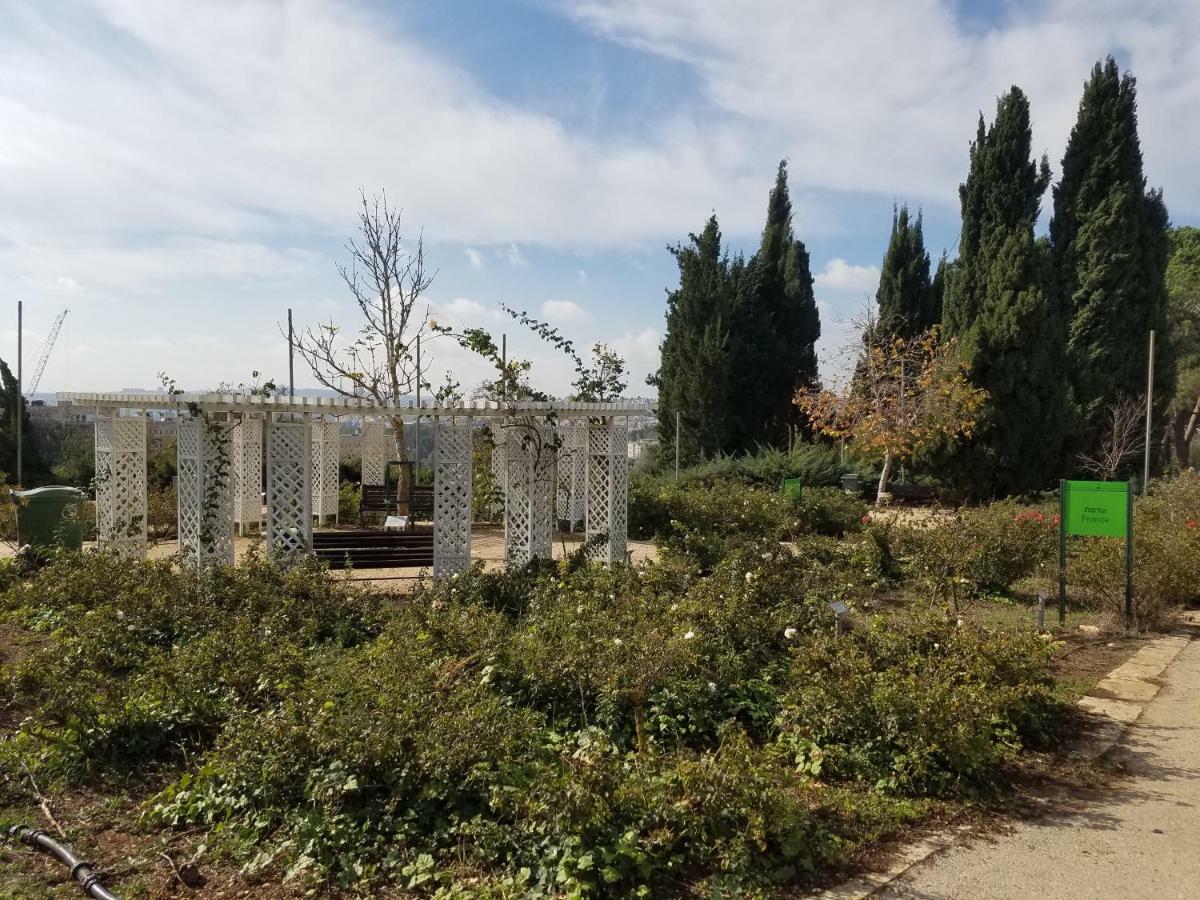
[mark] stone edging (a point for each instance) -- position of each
(1118, 700)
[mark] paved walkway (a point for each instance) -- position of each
(1138, 838)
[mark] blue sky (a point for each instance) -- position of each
(178, 174)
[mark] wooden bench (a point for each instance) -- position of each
(376, 498)
(368, 549)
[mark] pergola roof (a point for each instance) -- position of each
(353, 406)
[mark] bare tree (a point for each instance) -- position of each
(1122, 441)
(388, 280)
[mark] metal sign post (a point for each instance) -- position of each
(1095, 509)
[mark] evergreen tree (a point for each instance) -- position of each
(693, 375)
(937, 289)
(905, 296)
(997, 305)
(1110, 246)
(34, 471)
(776, 326)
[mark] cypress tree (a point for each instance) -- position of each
(937, 290)
(1110, 245)
(997, 304)
(34, 470)
(905, 295)
(776, 327)
(693, 375)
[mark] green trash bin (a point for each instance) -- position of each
(50, 516)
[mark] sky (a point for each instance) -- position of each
(179, 174)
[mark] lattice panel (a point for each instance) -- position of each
(451, 498)
(608, 488)
(499, 470)
(378, 446)
(187, 484)
(247, 472)
(571, 491)
(205, 491)
(528, 493)
(121, 483)
(325, 436)
(289, 475)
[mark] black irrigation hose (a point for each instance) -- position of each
(81, 871)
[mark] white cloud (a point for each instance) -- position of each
(582, 280)
(463, 312)
(513, 254)
(474, 257)
(840, 275)
(564, 311)
(883, 96)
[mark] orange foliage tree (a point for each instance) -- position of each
(904, 393)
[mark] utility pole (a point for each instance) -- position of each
(1149, 410)
(291, 360)
(20, 397)
(504, 368)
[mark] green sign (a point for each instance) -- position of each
(792, 487)
(1096, 508)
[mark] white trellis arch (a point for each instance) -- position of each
(571, 491)
(289, 492)
(280, 429)
(247, 472)
(325, 436)
(121, 482)
(452, 489)
(608, 487)
(529, 453)
(378, 446)
(205, 489)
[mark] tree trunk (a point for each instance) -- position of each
(885, 475)
(1183, 429)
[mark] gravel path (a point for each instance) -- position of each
(1138, 838)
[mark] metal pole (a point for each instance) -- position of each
(504, 368)
(291, 366)
(1149, 407)
(676, 445)
(20, 398)
(1129, 551)
(1062, 552)
(417, 427)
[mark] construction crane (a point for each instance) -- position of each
(45, 354)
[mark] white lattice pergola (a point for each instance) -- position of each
(121, 482)
(378, 446)
(300, 437)
(529, 454)
(325, 436)
(247, 449)
(571, 487)
(452, 489)
(205, 489)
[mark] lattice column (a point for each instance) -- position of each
(121, 483)
(325, 469)
(608, 488)
(289, 476)
(572, 472)
(499, 470)
(378, 446)
(247, 472)
(451, 497)
(528, 493)
(205, 490)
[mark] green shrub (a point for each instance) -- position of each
(1166, 532)
(561, 729)
(349, 503)
(921, 706)
(980, 551)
